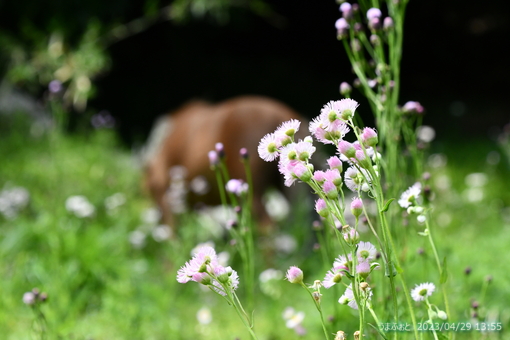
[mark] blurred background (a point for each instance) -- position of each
(135, 60)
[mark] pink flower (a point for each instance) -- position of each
(335, 163)
(357, 206)
(204, 257)
(330, 189)
(369, 137)
(294, 275)
(373, 13)
(236, 187)
(333, 277)
(286, 131)
(319, 176)
(321, 207)
(333, 175)
(347, 149)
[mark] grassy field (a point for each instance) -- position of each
(112, 275)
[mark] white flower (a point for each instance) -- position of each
(204, 316)
(422, 291)
(80, 206)
(410, 195)
(293, 318)
(268, 149)
(366, 251)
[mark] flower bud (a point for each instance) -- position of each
(357, 207)
(345, 89)
(321, 207)
(295, 275)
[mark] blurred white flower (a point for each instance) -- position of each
(437, 160)
(285, 243)
(204, 316)
(137, 239)
(292, 318)
(80, 206)
(476, 180)
(161, 233)
(276, 205)
(13, 200)
(114, 201)
(425, 133)
(270, 274)
(150, 216)
(199, 185)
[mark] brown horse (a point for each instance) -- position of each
(185, 137)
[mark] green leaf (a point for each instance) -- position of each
(444, 272)
(387, 205)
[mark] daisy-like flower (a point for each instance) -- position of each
(232, 281)
(285, 132)
(410, 195)
(343, 262)
(268, 148)
(422, 291)
(354, 179)
(333, 276)
(204, 257)
(366, 251)
(293, 318)
(328, 132)
(348, 297)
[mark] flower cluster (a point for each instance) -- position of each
(330, 127)
(205, 268)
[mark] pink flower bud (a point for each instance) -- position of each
(369, 137)
(346, 149)
(295, 275)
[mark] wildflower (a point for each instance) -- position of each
(366, 251)
(345, 89)
(412, 107)
(236, 187)
(351, 236)
(333, 175)
(326, 132)
(347, 10)
(333, 277)
(357, 206)
(284, 134)
(29, 298)
(204, 316)
(373, 13)
(342, 27)
(343, 262)
(356, 180)
(319, 176)
(161, 233)
(410, 195)
(388, 23)
(294, 275)
(198, 264)
(214, 160)
(346, 149)
(363, 269)
(340, 335)
(321, 207)
(243, 153)
(422, 291)
(114, 201)
(330, 189)
(55, 86)
(348, 297)
(268, 149)
(80, 206)
(369, 137)
(220, 149)
(317, 296)
(293, 318)
(335, 163)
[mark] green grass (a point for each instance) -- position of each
(101, 287)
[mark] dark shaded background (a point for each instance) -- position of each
(455, 60)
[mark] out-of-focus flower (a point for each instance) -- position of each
(80, 206)
(410, 196)
(204, 316)
(12, 200)
(114, 201)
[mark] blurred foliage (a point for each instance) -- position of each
(52, 58)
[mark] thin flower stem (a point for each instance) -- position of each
(318, 306)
